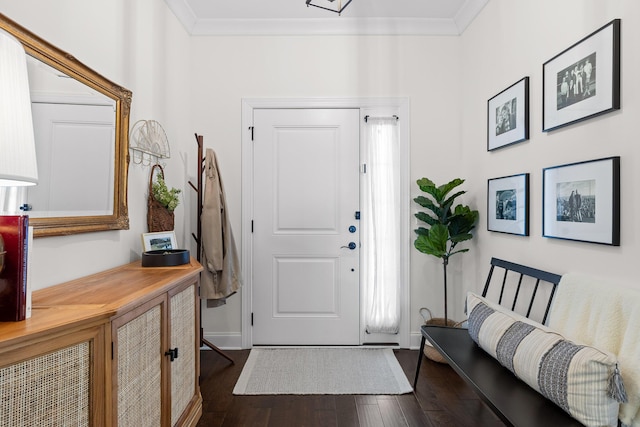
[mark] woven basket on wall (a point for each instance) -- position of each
(158, 217)
(429, 351)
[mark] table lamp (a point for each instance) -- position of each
(18, 166)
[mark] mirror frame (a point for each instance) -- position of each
(62, 61)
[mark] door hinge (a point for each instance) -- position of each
(251, 319)
(251, 129)
(364, 168)
(111, 350)
(252, 226)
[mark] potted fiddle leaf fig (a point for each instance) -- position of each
(449, 224)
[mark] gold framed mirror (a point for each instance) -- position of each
(83, 178)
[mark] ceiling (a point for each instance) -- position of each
(294, 17)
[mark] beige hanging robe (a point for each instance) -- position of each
(221, 275)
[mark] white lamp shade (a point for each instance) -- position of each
(18, 166)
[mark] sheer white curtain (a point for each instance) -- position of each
(381, 228)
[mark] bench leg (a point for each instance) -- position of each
(420, 357)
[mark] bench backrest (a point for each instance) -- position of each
(525, 290)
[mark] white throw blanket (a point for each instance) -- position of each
(605, 315)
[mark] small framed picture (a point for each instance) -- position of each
(581, 201)
(508, 116)
(584, 80)
(159, 241)
(508, 204)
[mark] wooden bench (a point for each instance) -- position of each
(525, 290)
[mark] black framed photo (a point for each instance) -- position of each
(581, 201)
(584, 80)
(508, 204)
(508, 116)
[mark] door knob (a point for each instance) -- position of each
(352, 246)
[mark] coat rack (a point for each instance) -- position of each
(198, 236)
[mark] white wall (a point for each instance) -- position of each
(195, 84)
(512, 39)
(140, 46)
(227, 69)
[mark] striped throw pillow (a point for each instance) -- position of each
(578, 378)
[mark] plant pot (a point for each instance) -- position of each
(430, 352)
(159, 218)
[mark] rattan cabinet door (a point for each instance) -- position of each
(137, 372)
(54, 383)
(184, 336)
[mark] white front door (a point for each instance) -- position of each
(305, 233)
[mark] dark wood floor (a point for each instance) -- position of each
(442, 399)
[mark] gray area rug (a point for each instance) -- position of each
(322, 371)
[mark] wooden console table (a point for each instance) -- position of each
(117, 348)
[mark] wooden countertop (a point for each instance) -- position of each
(93, 299)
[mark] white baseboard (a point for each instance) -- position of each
(224, 341)
(415, 340)
(234, 341)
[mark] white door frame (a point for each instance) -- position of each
(370, 106)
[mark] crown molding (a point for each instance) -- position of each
(336, 26)
(341, 26)
(183, 12)
(468, 13)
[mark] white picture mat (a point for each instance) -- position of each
(518, 183)
(153, 241)
(600, 231)
(602, 44)
(519, 132)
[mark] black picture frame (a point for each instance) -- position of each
(581, 201)
(508, 116)
(508, 204)
(582, 81)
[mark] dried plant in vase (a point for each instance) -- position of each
(161, 203)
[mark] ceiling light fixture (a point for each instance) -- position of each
(329, 5)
